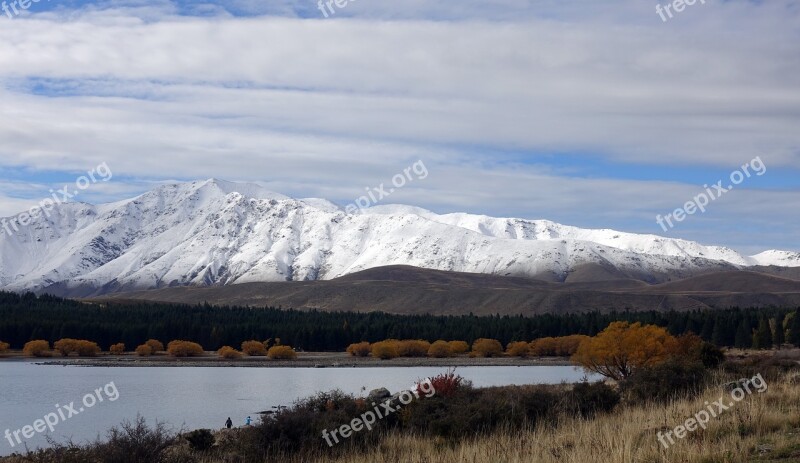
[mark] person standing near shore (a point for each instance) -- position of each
(248, 421)
(229, 423)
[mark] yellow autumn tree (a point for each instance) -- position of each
(440, 349)
(179, 348)
(622, 348)
(544, 347)
(518, 349)
(155, 345)
(254, 348)
(360, 349)
(281, 353)
(487, 348)
(458, 347)
(566, 346)
(117, 349)
(385, 350)
(82, 347)
(229, 353)
(144, 350)
(37, 348)
(413, 348)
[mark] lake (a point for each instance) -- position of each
(199, 397)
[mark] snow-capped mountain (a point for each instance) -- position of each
(215, 232)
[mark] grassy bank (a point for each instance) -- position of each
(762, 428)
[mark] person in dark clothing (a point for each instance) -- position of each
(229, 423)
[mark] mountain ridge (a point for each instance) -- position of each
(213, 233)
(408, 290)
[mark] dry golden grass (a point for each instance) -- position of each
(761, 428)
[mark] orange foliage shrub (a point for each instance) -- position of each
(518, 349)
(155, 345)
(487, 348)
(66, 346)
(385, 349)
(4, 347)
(544, 347)
(180, 348)
(458, 347)
(281, 353)
(622, 348)
(37, 348)
(87, 348)
(413, 348)
(82, 347)
(566, 346)
(687, 345)
(144, 351)
(440, 349)
(360, 349)
(117, 349)
(228, 352)
(254, 348)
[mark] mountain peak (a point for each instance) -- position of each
(248, 190)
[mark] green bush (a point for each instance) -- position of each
(200, 440)
(131, 442)
(588, 399)
(664, 382)
(471, 411)
(711, 355)
(298, 429)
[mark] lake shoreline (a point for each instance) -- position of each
(303, 360)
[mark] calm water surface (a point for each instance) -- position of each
(204, 397)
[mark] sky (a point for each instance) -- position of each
(587, 113)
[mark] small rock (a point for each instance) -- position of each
(377, 395)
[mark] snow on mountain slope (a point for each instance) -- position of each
(777, 258)
(214, 232)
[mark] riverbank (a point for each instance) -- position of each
(609, 422)
(303, 360)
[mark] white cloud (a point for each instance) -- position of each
(328, 107)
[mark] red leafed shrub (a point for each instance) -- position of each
(445, 384)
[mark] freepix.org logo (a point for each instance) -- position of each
(62, 414)
(45, 207)
(16, 7)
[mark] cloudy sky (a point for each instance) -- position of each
(595, 114)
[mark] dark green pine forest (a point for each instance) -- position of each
(25, 317)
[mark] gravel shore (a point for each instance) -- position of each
(304, 360)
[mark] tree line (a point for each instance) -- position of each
(26, 317)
